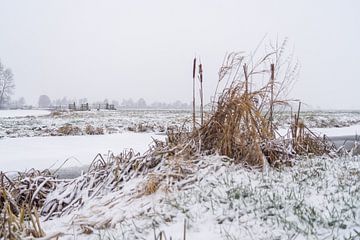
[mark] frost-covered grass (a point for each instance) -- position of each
(109, 121)
(323, 119)
(315, 199)
(22, 125)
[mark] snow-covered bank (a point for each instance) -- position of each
(18, 154)
(335, 132)
(329, 132)
(316, 199)
(22, 113)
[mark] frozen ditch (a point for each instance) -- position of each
(19, 154)
(22, 113)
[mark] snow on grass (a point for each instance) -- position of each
(315, 199)
(110, 121)
(140, 121)
(342, 131)
(353, 130)
(22, 113)
(19, 154)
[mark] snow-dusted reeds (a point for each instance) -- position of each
(240, 125)
(20, 201)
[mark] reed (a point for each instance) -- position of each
(193, 102)
(201, 94)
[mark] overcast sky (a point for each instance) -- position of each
(122, 49)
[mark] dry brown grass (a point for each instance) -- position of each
(69, 129)
(152, 184)
(56, 113)
(240, 125)
(90, 130)
(20, 199)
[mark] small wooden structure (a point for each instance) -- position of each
(84, 107)
(72, 106)
(109, 106)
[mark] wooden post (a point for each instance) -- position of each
(194, 74)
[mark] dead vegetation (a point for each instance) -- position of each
(241, 124)
(90, 130)
(20, 200)
(141, 127)
(69, 129)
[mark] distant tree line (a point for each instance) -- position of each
(46, 102)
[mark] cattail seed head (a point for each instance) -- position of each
(194, 67)
(200, 72)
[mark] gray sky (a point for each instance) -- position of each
(121, 49)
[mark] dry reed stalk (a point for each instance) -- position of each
(201, 94)
(272, 69)
(193, 102)
(19, 223)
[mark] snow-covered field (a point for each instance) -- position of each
(109, 121)
(352, 130)
(317, 198)
(342, 131)
(23, 123)
(22, 113)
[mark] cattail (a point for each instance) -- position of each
(201, 93)
(272, 69)
(194, 73)
(194, 68)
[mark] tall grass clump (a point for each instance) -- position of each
(241, 124)
(21, 198)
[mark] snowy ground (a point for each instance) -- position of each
(19, 154)
(22, 113)
(323, 119)
(316, 199)
(109, 121)
(342, 131)
(134, 121)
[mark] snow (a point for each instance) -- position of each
(335, 132)
(315, 199)
(22, 113)
(318, 198)
(329, 132)
(110, 121)
(18, 154)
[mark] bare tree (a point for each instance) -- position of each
(44, 101)
(7, 85)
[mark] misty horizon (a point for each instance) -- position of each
(120, 50)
